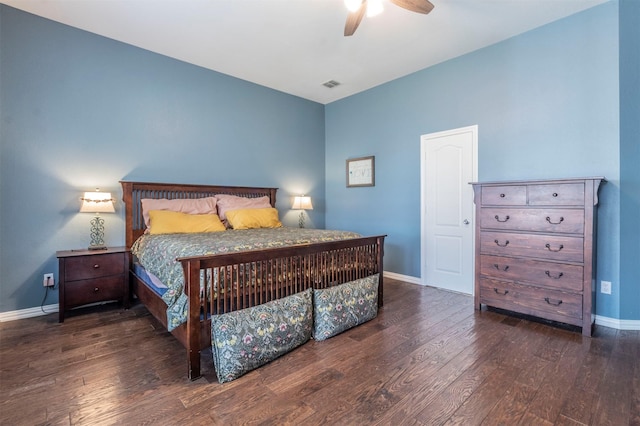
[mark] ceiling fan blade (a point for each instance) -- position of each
(419, 6)
(354, 18)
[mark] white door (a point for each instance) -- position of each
(448, 164)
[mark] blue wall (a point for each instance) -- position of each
(79, 111)
(546, 104)
(629, 158)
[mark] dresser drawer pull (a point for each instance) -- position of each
(503, 292)
(95, 290)
(548, 246)
(554, 303)
(96, 266)
(506, 218)
(555, 194)
(557, 277)
(505, 269)
(502, 195)
(502, 245)
(555, 223)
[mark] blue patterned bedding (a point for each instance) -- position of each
(158, 254)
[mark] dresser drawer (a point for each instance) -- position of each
(559, 276)
(504, 195)
(559, 194)
(80, 293)
(541, 302)
(86, 267)
(541, 246)
(543, 220)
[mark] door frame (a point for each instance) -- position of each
(424, 140)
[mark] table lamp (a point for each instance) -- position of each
(97, 202)
(302, 203)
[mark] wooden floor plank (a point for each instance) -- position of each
(475, 409)
(556, 379)
(428, 358)
(440, 406)
(615, 394)
(383, 388)
(512, 406)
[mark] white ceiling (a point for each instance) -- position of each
(296, 45)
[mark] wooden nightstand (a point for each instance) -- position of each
(90, 276)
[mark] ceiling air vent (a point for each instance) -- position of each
(331, 84)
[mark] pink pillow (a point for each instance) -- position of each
(190, 206)
(233, 202)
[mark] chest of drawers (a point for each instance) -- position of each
(535, 248)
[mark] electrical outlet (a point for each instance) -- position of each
(47, 281)
(605, 287)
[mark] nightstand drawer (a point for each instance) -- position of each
(87, 267)
(98, 290)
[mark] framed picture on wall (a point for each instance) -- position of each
(361, 172)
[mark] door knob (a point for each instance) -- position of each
(466, 222)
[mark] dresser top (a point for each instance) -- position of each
(540, 181)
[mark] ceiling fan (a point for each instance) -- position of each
(357, 8)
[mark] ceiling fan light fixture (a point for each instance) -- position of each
(374, 7)
(352, 5)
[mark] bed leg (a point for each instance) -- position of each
(192, 288)
(381, 271)
(193, 358)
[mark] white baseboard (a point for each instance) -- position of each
(28, 313)
(405, 278)
(617, 323)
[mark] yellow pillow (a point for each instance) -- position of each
(253, 218)
(169, 222)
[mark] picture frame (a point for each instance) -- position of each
(361, 171)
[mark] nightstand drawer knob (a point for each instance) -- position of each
(95, 290)
(96, 266)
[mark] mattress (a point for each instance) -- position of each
(149, 279)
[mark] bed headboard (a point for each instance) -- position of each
(134, 192)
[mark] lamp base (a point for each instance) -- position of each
(97, 234)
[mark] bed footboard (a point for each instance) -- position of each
(242, 280)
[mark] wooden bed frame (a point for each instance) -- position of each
(275, 272)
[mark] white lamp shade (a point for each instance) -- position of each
(97, 202)
(302, 203)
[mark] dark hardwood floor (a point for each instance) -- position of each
(428, 358)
